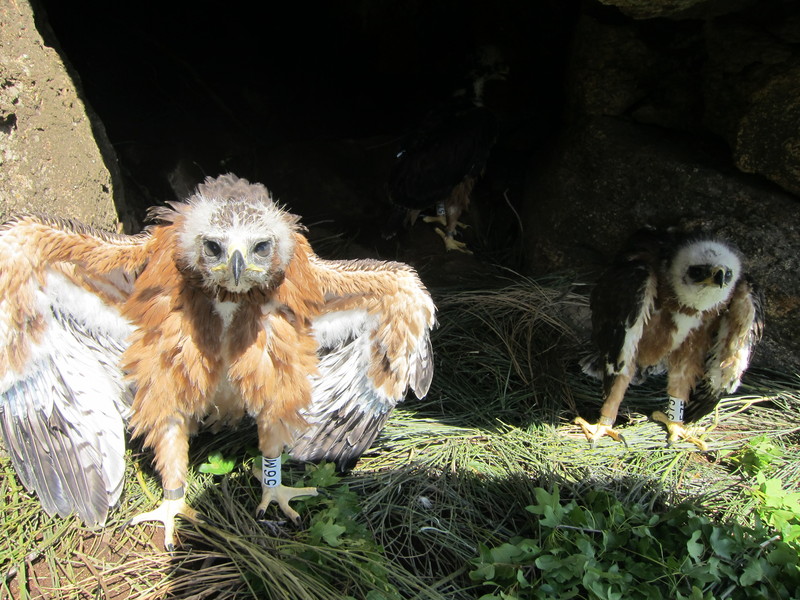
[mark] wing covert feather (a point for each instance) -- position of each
(621, 304)
(373, 336)
(63, 400)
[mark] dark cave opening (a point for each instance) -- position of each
(226, 88)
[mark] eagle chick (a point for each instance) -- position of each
(680, 304)
(218, 311)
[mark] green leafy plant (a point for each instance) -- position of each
(217, 464)
(779, 509)
(599, 548)
(334, 525)
(332, 553)
(775, 506)
(758, 455)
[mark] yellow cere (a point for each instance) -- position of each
(233, 248)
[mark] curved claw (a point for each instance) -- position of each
(451, 243)
(677, 431)
(166, 513)
(613, 434)
(281, 495)
(598, 430)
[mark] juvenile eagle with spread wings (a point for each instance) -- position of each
(680, 304)
(219, 310)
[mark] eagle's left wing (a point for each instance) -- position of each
(739, 329)
(373, 336)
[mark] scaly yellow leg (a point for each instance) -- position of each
(450, 243)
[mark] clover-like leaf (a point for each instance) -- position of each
(217, 464)
(328, 531)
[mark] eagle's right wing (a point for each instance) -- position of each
(63, 399)
(621, 304)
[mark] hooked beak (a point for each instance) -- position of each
(237, 265)
(719, 276)
(710, 275)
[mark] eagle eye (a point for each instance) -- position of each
(697, 273)
(212, 249)
(728, 276)
(262, 249)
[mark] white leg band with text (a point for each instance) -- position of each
(675, 410)
(271, 471)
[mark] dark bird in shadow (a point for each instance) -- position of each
(444, 156)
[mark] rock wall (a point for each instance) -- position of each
(49, 157)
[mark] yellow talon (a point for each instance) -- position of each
(452, 244)
(598, 430)
(440, 219)
(278, 493)
(677, 430)
(166, 513)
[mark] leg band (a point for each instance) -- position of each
(271, 471)
(175, 494)
(675, 410)
(607, 421)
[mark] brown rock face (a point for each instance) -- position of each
(49, 159)
(752, 91)
(676, 9)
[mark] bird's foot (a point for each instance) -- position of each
(598, 430)
(442, 220)
(281, 494)
(438, 219)
(166, 513)
(677, 430)
(452, 244)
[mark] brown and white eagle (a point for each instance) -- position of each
(680, 304)
(219, 310)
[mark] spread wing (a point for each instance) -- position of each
(738, 330)
(373, 338)
(63, 400)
